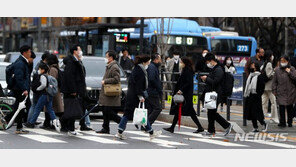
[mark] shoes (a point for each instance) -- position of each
(255, 130)
(143, 128)
(103, 131)
(209, 134)
(264, 128)
(29, 125)
(228, 130)
(21, 131)
(203, 110)
(120, 136)
(85, 128)
(137, 127)
(72, 133)
(282, 125)
(199, 130)
(38, 123)
(57, 125)
(64, 129)
(169, 129)
(155, 134)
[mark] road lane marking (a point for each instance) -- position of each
(197, 135)
(100, 140)
(42, 139)
(3, 133)
(160, 142)
(277, 144)
(140, 133)
(217, 142)
(42, 131)
(94, 133)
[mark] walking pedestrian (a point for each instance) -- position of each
(253, 93)
(137, 92)
(112, 76)
(125, 61)
(74, 86)
(154, 89)
(184, 87)
(45, 100)
(21, 86)
(57, 102)
(268, 70)
(283, 87)
(214, 83)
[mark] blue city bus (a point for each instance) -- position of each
(181, 34)
(240, 48)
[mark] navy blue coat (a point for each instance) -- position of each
(21, 75)
(154, 86)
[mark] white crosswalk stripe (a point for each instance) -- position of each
(3, 133)
(197, 135)
(42, 131)
(43, 139)
(101, 140)
(217, 142)
(143, 134)
(160, 142)
(277, 144)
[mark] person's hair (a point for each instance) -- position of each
(24, 48)
(125, 49)
(52, 59)
(33, 55)
(112, 54)
(188, 62)
(210, 56)
(176, 52)
(225, 60)
(286, 58)
(44, 67)
(142, 59)
(154, 56)
(45, 55)
(267, 55)
(257, 66)
(205, 49)
(74, 48)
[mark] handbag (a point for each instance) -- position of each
(140, 115)
(178, 98)
(112, 89)
(210, 100)
(73, 108)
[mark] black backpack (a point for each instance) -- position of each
(9, 72)
(227, 84)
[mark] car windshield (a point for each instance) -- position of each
(96, 68)
(2, 72)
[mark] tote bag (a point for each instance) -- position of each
(73, 108)
(210, 100)
(140, 115)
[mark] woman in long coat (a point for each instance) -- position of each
(112, 76)
(283, 87)
(184, 87)
(137, 92)
(253, 92)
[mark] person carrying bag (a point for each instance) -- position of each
(140, 115)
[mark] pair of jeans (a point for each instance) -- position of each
(31, 110)
(214, 116)
(44, 100)
(153, 107)
(109, 114)
(283, 114)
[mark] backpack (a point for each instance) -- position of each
(60, 77)
(227, 84)
(9, 72)
(52, 85)
(264, 75)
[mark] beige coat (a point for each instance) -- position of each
(112, 76)
(57, 102)
(269, 73)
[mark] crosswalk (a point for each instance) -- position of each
(180, 139)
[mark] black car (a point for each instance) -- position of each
(95, 69)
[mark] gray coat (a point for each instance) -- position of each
(112, 76)
(283, 87)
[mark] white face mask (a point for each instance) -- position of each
(106, 60)
(146, 67)
(228, 62)
(176, 57)
(204, 54)
(39, 72)
(210, 65)
(80, 53)
(284, 64)
(272, 57)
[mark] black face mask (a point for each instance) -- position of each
(252, 70)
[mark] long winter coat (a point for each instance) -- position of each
(254, 102)
(74, 77)
(112, 76)
(185, 84)
(136, 88)
(283, 87)
(57, 102)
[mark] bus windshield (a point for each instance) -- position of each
(231, 47)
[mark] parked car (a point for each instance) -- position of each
(3, 66)
(95, 69)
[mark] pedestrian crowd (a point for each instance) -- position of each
(62, 95)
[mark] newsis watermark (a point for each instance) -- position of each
(273, 137)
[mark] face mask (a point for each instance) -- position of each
(204, 54)
(228, 62)
(252, 70)
(210, 65)
(146, 67)
(176, 57)
(284, 64)
(80, 53)
(106, 60)
(272, 57)
(39, 72)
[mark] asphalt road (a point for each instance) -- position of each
(183, 139)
